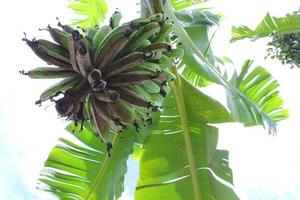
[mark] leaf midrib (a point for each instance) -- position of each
(186, 134)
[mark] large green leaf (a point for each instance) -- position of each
(259, 88)
(212, 73)
(269, 25)
(81, 168)
(92, 12)
(180, 159)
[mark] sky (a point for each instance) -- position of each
(264, 167)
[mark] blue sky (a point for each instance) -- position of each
(264, 167)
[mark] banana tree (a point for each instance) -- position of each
(177, 152)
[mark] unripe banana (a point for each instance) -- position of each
(169, 76)
(118, 110)
(124, 30)
(160, 46)
(160, 77)
(129, 78)
(151, 87)
(149, 66)
(156, 56)
(60, 37)
(54, 50)
(101, 109)
(125, 63)
(115, 19)
(66, 28)
(46, 54)
(132, 98)
(143, 44)
(166, 30)
(91, 32)
(140, 35)
(138, 23)
(99, 37)
(101, 125)
(174, 53)
(164, 62)
(58, 87)
(49, 72)
(111, 49)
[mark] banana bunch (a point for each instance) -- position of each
(112, 76)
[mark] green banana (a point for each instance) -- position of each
(154, 67)
(149, 66)
(153, 97)
(101, 33)
(49, 54)
(160, 77)
(49, 72)
(151, 87)
(174, 53)
(101, 125)
(142, 45)
(115, 19)
(138, 23)
(160, 46)
(156, 56)
(164, 62)
(111, 49)
(140, 35)
(54, 50)
(133, 98)
(91, 32)
(66, 28)
(129, 78)
(118, 110)
(60, 37)
(125, 63)
(60, 86)
(101, 109)
(169, 76)
(124, 30)
(166, 30)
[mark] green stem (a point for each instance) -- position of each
(186, 134)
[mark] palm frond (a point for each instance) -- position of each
(269, 25)
(91, 12)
